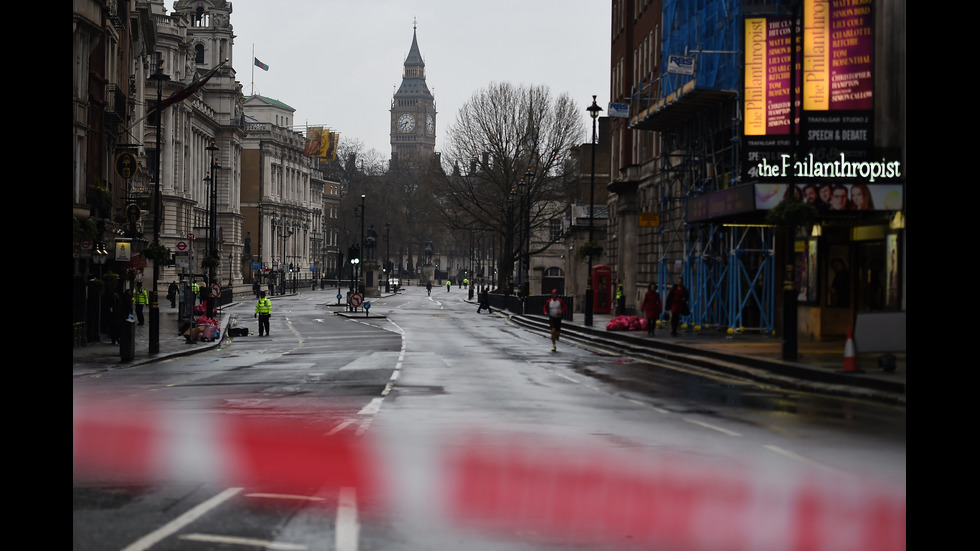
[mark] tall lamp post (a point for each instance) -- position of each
(212, 256)
(594, 112)
(360, 270)
(387, 257)
(158, 76)
(524, 187)
(507, 255)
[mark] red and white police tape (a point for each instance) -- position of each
(509, 484)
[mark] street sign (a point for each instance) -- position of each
(649, 220)
(182, 246)
(215, 289)
(356, 299)
(619, 110)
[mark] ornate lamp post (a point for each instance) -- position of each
(525, 190)
(158, 76)
(594, 112)
(212, 256)
(387, 257)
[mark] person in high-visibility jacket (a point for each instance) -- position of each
(620, 298)
(196, 289)
(263, 311)
(140, 299)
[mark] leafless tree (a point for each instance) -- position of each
(506, 151)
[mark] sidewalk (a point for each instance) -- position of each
(100, 356)
(819, 365)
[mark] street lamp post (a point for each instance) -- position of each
(508, 260)
(524, 190)
(212, 256)
(387, 257)
(360, 270)
(158, 76)
(594, 113)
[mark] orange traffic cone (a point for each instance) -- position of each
(850, 357)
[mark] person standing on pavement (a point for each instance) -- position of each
(172, 294)
(263, 311)
(651, 308)
(428, 287)
(449, 285)
(140, 299)
(620, 298)
(677, 303)
(554, 307)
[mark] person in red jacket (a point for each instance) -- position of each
(651, 308)
(554, 307)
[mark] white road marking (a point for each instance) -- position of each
(248, 542)
(347, 527)
(173, 526)
(806, 460)
(373, 407)
(285, 496)
(712, 427)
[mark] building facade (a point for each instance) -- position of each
(713, 103)
(157, 111)
(284, 204)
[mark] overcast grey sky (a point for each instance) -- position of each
(338, 62)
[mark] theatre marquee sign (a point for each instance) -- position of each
(839, 168)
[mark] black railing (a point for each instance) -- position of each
(531, 306)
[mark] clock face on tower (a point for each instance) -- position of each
(406, 123)
(430, 125)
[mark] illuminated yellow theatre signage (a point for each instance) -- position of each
(833, 64)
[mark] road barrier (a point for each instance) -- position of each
(506, 484)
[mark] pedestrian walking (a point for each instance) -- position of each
(449, 285)
(263, 311)
(554, 307)
(172, 291)
(428, 288)
(256, 288)
(140, 299)
(651, 308)
(484, 301)
(677, 304)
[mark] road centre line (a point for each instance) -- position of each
(183, 520)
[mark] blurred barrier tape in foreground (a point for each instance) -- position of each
(503, 484)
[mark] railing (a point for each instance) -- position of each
(531, 306)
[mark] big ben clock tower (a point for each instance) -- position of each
(413, 111)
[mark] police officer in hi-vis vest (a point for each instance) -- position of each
(141, 299)
(263, 310)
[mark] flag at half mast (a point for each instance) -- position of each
(261, 65)
(321, 143)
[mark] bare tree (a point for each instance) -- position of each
(503, 137)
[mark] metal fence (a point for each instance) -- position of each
(531, 306)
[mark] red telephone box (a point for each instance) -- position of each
(602, 289)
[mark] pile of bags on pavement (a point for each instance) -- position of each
(204, 329)
(627, 323)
